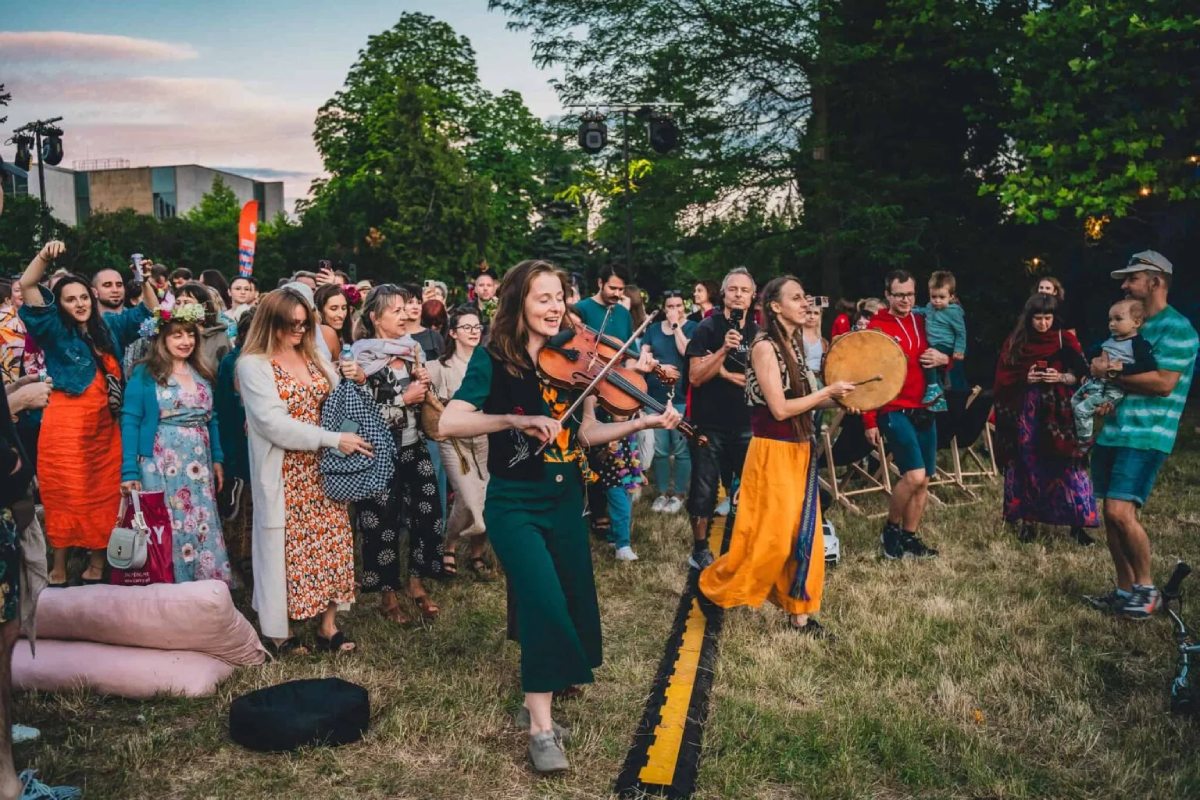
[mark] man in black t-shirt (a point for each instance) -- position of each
(717, 356)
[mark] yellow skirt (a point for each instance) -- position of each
(760, 564)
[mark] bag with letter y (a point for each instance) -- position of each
(141, 548)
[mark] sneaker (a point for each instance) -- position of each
(1142, 605)
(913, 546)
(934, 398)
(546, 753)
(660, 503)
(890, 539)
(1082, 538)
(521, 719)
(723, 509)
(1109, 602)
(625, 554)
(34, 789)
(674, 505)
(700, 558)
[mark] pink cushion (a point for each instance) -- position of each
(198, 615)
(109, 669)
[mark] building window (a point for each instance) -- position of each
(83, 201)
(162, 184)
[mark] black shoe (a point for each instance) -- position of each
(700, 558)
(913, 546)
(813, 629)
(1082, 538)
(893, 548)
(1026, 533)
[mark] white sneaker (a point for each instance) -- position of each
(723, 509)
(626, 554)
(673, 506)
(660, 503)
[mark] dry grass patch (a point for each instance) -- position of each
(979, 675)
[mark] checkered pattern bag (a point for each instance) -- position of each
(356, 476)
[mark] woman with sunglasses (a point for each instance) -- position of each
(464, 460)
(302, 543)
(534, 509)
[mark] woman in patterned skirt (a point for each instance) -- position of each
(303, 547)
(389, 358)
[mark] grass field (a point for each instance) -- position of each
(979, 675)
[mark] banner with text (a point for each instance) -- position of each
(247, 236)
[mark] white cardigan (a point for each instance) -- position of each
(272, 431)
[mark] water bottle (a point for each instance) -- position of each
(347, 353)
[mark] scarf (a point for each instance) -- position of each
(1012, 371)
(375, 354)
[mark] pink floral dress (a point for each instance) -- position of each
(182, 469)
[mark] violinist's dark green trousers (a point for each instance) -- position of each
(539, 533)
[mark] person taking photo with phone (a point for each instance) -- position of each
(1045, 479)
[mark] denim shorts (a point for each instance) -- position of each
(1125, 473)
(910, 447)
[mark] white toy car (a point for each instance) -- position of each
(833, 545)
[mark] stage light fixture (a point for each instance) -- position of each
(24, 151)
(52, 148)
(664, 134)
(593, 133)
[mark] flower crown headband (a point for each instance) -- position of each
(169, 311)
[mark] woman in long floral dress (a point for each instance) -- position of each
(302, 543)
(168, 411)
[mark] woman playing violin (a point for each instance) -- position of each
(534, 508)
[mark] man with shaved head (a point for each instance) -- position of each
(110, 291)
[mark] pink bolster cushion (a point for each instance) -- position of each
(198, 615)
(136, 672)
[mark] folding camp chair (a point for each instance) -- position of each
(845, 446)
(949, 429)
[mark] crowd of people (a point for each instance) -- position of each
(199, 388)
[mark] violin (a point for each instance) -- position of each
(582, 361)
(610, 346)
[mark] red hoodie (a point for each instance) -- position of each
(908, 332)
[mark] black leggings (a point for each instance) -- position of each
(411, 502)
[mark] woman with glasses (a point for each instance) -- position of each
(534, 509)
(302, 543)
(464, 460)
(391, 362)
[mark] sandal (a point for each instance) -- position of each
(449, 566)
(425, 605)
(338, 643)
(481, 568)
(290, 646)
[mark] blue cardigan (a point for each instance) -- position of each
(139, 424)
(69, 361)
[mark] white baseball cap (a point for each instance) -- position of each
(1145, 261)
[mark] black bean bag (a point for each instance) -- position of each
(318, 711)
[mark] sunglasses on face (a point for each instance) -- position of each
(672, 293)
(298, 327)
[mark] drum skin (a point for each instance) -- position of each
(862, 356)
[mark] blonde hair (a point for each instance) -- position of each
(274, 318)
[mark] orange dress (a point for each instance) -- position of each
(79, 465)
(318, 543)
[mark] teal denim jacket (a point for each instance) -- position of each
(69, 360)
(139, 424)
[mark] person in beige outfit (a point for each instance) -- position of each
(465, 460)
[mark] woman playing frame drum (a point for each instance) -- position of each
(776, 551)
(534, 507)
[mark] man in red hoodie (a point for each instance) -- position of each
(905, 422)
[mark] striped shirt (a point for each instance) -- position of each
(1145, 422)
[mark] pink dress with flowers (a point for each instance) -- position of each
(182, 469)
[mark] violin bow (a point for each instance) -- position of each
(607, 368)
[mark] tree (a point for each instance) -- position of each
(1102, 124)
(856, 132)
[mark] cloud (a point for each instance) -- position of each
(61, 46)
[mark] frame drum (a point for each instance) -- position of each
(872, 360)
